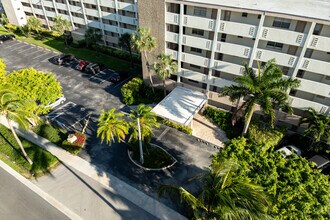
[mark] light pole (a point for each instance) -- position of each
(140, 141)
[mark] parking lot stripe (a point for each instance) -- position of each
(43, 54)
(11, 45)
(53, 118)
(24, 51)
(20, 47)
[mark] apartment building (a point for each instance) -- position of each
(111, 17)
(211, 39)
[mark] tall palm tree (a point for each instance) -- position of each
(92, 36)
(143, 120)
(125, 42)
(34, 23)
(111, 127)
(13, 109)
(318, 125)
(61, 25)
(144, 42)
(164, 67)
(267, 88)
(224, 196)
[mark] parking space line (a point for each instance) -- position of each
(34, 52)
(19, 47)
(11, 45)
(23, 51)
(52, 118)
(43, 54)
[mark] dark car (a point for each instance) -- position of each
(5, 37)
(112, 76)
(92, 68)
(64, 59)
(82, 65)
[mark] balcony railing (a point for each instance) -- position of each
(198, 22)
(320, 43)
(304, 104)
(239, 29)
(193, 75)
(219, 82)
(283, 36)
(281, 58)
(233, 49)
(228, 67)
(172, 37)
(316, 66)
(172, 18)
(194, 59)
(174, 53)
(314, 87)
(196, 42)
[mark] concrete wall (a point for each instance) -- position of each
(14, 12)
(152, 15)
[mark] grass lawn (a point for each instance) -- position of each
(10, 153)
(81, 53)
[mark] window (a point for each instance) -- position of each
(259, 16)
(320, 97)
(198, 32)
(244, 14)
(194, 49)
(194, 66)
(223, 37)
(293, 92)
(317, 29)
(285, 70)
(200, 11)
(194, 81)
(239, 36)
(327, 77)
(300, 73)
(282, 23)
(274, 45)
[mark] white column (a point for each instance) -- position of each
(84, 12)
(180, 40)
(117, 17)
(43, 9)
(31, 5)
(213, 48)
(256, 41)
(101, 22)
(54, 4)
(70, 15)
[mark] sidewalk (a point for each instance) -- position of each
(115, 185)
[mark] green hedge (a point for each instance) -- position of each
(51, 133)
(121, 54)
(182, 128)
(223, 120)
(136, 92)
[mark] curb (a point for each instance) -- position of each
(56, 204)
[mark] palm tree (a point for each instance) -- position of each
(13, 109)
(34, 23)
(224, 195)
(3, 18)
(143, 120)
(318, 125)
(111, 126)
(164, 67)
(268, 88)
(144, 42)
(92, 36)
(125, 42)
(61, 25)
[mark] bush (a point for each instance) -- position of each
(11, 27)
(268, 137)
(182, 128)
(51, 133)
(121, 54)
(223, 120)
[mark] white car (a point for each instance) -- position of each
(58, 102)
(287, 150)
(320, 161)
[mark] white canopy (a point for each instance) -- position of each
(180, 105)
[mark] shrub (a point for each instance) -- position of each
(223, 120)
(130, 90)
(182, 128)
(11, 27)
(121, 54)
(49, 132)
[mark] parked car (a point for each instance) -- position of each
(58, 102)
(320, 161)
(82, 65)
(92, 68)
(64, 58)
(5, 37)
(287, 150)
(112, 76)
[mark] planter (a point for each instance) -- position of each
(137, 163)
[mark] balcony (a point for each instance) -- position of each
(92, 12)
(127, 20)
(281, 58)
(76, 9)
(219, 82)
(111, 28)
(125, 30)
(320, 43)
(27, 9)
(127, 6)
(315, 87)
(61, 6)
(316, 66)
(106, 3)
(174, 53)
(238, 29)
(194, 59)
(172, 18)
(196, 42)
(198, 22)
(233, 49)
(283, 36)
(46, 3)
(172, 37)
(228, 68)
(189, 74)
(78, 20)
(109, 16)
(304, 104)
(111, 39)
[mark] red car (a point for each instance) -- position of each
(82, 65)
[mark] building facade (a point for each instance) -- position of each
(111, 17)
(211, 40)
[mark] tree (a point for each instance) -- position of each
(3, 19)
(164, 67)
(143, 120)
(34, 23)
(30, 84)
(92, 36)
(224, 195)
(13, 109)
(298, 191)
(61, 25)
(318, 125)
(111, 127)
(125, 42)
(2, 69)
(267, 88)
(144, 42)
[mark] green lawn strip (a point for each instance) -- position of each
(43, 161)
(15, 166)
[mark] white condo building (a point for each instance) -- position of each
(211, 39)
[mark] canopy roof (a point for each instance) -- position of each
(180, 105)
